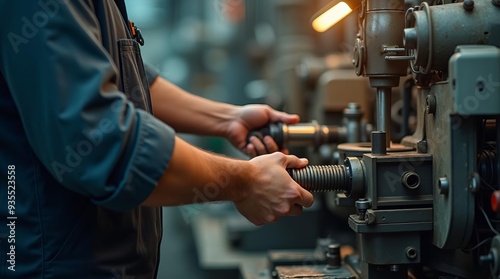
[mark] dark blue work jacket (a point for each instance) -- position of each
(79, 148)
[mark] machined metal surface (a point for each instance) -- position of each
(359, 148)
(312, 134)
(433, 32)
(390, 220)
(380, 16)
(348, 178)
(379, 143)
(384, 175)
(452, 142)
(376, 251)
(422, 202)
(384, 112)
(353, 125)
(476, 90)
(322, 178)
(315, 135)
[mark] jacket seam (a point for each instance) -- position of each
(40, 218)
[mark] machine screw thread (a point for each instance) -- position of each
(322, 178)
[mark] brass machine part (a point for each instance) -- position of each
(305, 134)
(314, 134)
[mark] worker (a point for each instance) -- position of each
(88, 149)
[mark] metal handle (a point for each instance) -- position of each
(275, 130)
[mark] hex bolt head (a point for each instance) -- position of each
(444, 186)
(362, 205)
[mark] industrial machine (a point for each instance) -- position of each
(427, 206)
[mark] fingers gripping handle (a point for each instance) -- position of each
(275, 130)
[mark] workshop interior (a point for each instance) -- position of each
(399, 104)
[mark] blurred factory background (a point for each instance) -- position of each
(403, 160)
(240, 52)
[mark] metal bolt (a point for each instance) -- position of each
(362, 205)
(422, 146)
(468, 5)
(480, 85)
(333, 256)
(353, 110)
(411, 252)
(444, 186)
(394, 268)
(353, 106)
(430, 104)
(370, 217)
(475, 182)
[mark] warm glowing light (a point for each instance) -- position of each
(331, 16)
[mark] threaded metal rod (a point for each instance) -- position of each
(322, 178)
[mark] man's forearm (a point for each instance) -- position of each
(188, 113)
(194, 175)
(261, 189)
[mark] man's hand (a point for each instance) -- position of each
(273, 193)
(251, 117)
(261, 188)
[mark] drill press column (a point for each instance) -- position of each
(384, 112)
(377, 53)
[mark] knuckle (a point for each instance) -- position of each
(280, 156)
(270, 219)
(285, 209)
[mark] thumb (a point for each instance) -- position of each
(293, 162)
(306, 198)
(285, 118)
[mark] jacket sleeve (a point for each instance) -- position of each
(80, 126)
(151, 73)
